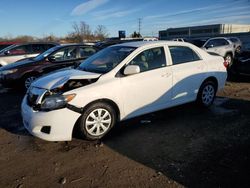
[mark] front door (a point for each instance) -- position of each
(150, 89)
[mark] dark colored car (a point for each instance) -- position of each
(113, 41)
(241, 64)
(24, 72)
(6, 44)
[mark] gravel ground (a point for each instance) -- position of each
(185, 146)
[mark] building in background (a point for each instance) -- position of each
(204, 31)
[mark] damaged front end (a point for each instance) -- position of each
(52, 99)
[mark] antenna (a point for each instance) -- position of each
(139, 24)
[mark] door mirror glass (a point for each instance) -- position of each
(52, 58)
(131, 69)
(7, 52)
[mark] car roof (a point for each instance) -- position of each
(218, 38)
(76, 44)
(150, 43)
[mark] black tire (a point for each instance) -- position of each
(206, 94)
(92, 109)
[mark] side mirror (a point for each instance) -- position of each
(131, 69)
(7, 52)
(209, 46)
(52, 58)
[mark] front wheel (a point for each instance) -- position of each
(206, 94)
(28, 80)
(97, 121)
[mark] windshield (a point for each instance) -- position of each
(106, 59)
(45, 54)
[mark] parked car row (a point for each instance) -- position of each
(17, 52)
(24, 72)
(235, 54)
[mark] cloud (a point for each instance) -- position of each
(216, 8)
(87, 6)
(113, 13)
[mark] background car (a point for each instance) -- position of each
(241, 64)
(237, 43)
(113, 41)
(24, 72)
(6, 44)
(16, 52)
(221, 46)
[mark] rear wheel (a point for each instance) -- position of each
(207, 93)
(238, 49)
(97, 121)
(229, 59)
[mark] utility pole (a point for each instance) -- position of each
(139, 22)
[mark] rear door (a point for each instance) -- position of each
(188, 72)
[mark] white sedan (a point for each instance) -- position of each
(120, 82)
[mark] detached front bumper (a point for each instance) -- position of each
(56, 125)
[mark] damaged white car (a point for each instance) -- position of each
(118, 83)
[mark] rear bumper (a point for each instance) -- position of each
(61, 122)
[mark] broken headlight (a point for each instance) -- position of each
(56, 102)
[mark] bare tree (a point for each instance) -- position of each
(82, 32)
(101, 32)
(136, 35)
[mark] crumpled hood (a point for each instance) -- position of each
(58, 79)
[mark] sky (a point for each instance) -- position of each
(45, 17)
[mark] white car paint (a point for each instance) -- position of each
(134, 95)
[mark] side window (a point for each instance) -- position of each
(182, 54)
(211, 43)
(150, 59)
(20, 50)
(86, 51)
(38, 48)
(68, 53)
(223, 42)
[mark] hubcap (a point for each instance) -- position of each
(98, 122)
(28, 81)
(228, 59)
(208, 94)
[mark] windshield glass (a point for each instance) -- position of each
(45, 54)
(106, 59)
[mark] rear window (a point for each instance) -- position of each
(182, 54)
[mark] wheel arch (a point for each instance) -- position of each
(213, 79)
(103, 100)
(107, 101)
(30, 73)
